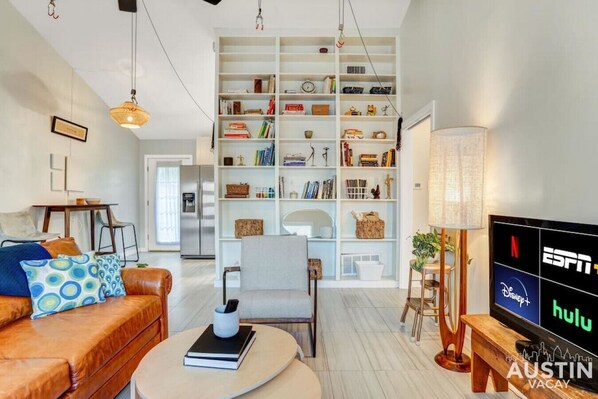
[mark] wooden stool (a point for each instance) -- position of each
(422, 305)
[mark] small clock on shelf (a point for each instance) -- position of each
(308, 87)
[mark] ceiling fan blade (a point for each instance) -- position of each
(213, 2)
(127, 5)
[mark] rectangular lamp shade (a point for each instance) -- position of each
(456, 181)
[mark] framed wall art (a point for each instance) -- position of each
(69, 129)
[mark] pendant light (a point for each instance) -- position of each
(129, 114)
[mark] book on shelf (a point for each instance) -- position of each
(368, 160)
(211, 351)
(264, 157)
(389, 158)
(225, 107)
(271, 107)
(346, 154)
(280, 186)
(236, 130)
(329, 86)
(271, 86)
(293, 160)
(325, 189)
(266, 130)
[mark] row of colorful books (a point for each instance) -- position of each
(264, 157)
(266, 130)
(211, 351)
(325, 189)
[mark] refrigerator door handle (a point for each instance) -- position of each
(199, 200)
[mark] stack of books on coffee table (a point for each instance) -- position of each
(223, 353)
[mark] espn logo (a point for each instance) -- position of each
(565, 259)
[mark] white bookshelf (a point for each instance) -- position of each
(292, 59)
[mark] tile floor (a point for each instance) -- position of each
(362, 351)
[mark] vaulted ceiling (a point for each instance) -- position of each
(94, 38)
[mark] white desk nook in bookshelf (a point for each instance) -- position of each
(299, 95)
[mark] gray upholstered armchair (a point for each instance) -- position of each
(276, 282)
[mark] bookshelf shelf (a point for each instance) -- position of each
(251, 139)
(246, 96)
(292, 60)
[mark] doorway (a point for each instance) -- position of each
(163, 208)
(415, 148)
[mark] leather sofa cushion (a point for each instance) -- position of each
(86, 337)
(62, 246)
(13, 308)
(33, 378)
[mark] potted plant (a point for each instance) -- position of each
(426, 246)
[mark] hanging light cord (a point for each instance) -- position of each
(134, 57)
(172, 65)
(370, 59)
(400, 120)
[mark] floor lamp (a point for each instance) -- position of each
(456, 187)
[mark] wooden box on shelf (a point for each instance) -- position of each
(320, 109)
(369, 229)
(249, 227)
(237, 191)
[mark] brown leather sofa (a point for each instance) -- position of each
(87, 352)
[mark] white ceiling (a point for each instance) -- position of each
(94, 37)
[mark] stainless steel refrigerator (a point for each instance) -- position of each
(197, 212)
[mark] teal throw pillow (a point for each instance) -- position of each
(110, 270)
(62, 284)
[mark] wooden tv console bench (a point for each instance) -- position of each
(492, 353)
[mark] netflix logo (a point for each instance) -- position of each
(517, 247)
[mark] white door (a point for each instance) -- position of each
(162, 201)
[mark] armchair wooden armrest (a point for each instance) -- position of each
(227, 269)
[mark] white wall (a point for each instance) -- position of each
(527, 71)
(36, 83)
(157, 147)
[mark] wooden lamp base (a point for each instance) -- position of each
(448, 361)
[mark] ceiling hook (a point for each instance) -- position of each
(52, 10)
(259, 20)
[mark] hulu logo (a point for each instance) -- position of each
(571, 317)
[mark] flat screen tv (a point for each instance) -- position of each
(544, 285)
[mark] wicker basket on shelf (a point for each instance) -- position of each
(237, 191)
(249, 227)
(369, 229)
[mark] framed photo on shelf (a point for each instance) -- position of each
(69, 129)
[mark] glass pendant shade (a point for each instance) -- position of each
(129, 115)
(456, 181)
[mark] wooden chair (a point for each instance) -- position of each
(276, 282)
(118, 225)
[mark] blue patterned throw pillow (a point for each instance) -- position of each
(62, 284)
(109, 269)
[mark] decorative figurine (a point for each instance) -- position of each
(325, 155)
(371, 110)
(376, 192)
(308, 134)
(241, 159)
(353, 111)
(384, 109)
(387, 181)
(312, 156)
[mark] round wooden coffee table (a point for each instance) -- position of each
(268, 371)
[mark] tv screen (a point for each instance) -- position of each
(544, 281)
